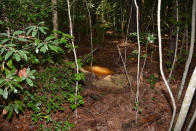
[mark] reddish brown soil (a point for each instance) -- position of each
(110, 109)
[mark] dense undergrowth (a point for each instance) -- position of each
(43, 92)
(53, 89)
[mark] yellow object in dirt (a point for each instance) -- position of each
(98, 70)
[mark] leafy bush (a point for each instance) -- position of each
(19, 52)
(56, 87)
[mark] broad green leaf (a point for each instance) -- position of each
(29, 29)
(40, 44)
(4, 41)
(8, 54)
(10, 64)
(17, 57)
(54, 48)
(34, 33)
(67, 36)
(7, 72)
(5, 93)
(17, 84)
(22, 39)
(12, 88)
(28, 70)
(1, 81)
(10, 45)
(10, 112)
(25, 57)
(1, 91)
(18, 102)
(2, 50)
(55, 42)
(3, 34)
(42, 30)
(29, 81)
(60, 49)
(49, 38)
(23, 54)
(41, 23)
(45, 28)
(26, 52)
(16, 109)
(33, 71)
(18, 32)
(43, 49)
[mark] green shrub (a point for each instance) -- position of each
(19, 53)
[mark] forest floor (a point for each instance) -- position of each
(110, 108)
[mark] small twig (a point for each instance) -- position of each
(124, 65)
(143, 67)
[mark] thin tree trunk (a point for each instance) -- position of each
(121, 17)
(73, 15)
(186, 27)
(183, 41)
(133, 21)
(128, 25)
(191, 49)
(186, 102)
(124, 65)
(161, 64)
(55, 17)
(172, 35)
(176, 48)
(191, 122)
(138, 67)
(75, 55)
(187, 37)
(91, 33)
(153, 29)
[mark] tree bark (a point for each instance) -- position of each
(192, 121)
(161, 64)
(172, 34)
(186, 102)
(91, 33)
(132, 9)
(55, 17)
(191, 49)
(176, 44)
(172, 43)
(75, 55)
(138, 66)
